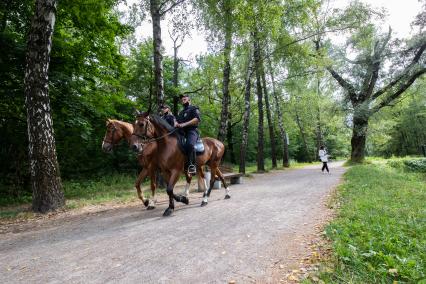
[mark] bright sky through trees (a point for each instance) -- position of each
(401, 14)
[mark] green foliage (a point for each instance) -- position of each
(379, 235)
(416, 165)
(81, 192)
(409, 164)
(400, 130)
(85, 88)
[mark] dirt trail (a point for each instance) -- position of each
(263, 226)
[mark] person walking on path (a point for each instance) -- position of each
(324, 159)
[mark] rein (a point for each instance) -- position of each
(146, 140)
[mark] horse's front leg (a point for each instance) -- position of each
(180, 198)
(153, 177)
(141, 177)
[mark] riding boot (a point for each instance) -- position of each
(192, 169)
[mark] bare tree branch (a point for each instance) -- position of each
(403, 74)
(402, 88)
(346, 85)
(192, 92)
(174, 4)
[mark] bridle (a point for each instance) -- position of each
(146, 139)
(112, 135)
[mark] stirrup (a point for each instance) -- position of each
(192, 169)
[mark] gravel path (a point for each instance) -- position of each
(241, 239)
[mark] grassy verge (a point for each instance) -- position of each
(117, 188)
(379, 235)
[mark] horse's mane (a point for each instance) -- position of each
(159, 121)
(120, 122)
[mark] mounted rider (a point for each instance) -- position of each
(188, 120)
(168, 115)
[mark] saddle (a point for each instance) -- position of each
(199, 146)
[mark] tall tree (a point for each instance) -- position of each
(44, 169)
(246, 115)
(283, 134)
(158, 9)
(367, 94)
(302, 130)
(268, 116)
(260, 139)
(176, 60)
(226, 98)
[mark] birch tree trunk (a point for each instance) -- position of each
(230, 139)
(44, 169)
(269, 118)
(302, 133)
(246, 118)
(158, 57)
(257, 62)
(224, 115)
(283, 133)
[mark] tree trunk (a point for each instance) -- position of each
(158, 57)
(175, 76)
(286, 162)
(230, 138)
(302, 133)
(269, 119)
(318, 130)
(359, 135)
(246, 118)
(44, 169)
(257, 61)
(226, 73)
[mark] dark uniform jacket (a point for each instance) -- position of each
(170, 118)
(188, 113)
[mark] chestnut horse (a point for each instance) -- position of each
(153, 129)
(118, 130)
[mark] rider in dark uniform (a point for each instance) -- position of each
(167, 115)
(188, 120)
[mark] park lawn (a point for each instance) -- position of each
(379, 235)
(117, 188)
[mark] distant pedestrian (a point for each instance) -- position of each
(324, 158)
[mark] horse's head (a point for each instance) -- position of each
(113, 135)
(142, 130)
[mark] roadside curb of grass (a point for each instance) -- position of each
(368, 181)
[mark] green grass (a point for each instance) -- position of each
(79, 193)
(379, 235)
(116, 188)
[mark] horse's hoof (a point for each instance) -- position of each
(227, 196)
(168, 212)
(150, 207)
(184, 200)
(203, 203)
(146, 202)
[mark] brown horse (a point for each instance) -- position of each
(118, 130)
(171, 160)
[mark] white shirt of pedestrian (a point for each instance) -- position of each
(323, 155)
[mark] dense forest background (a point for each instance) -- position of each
(269, 70)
